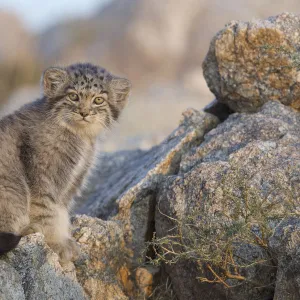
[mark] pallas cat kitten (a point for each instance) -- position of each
(46, 149)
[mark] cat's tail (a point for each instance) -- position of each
(13, 219)
(8, 241)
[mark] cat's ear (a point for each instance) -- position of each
(53, 80)
(121, 88)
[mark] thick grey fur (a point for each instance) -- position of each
(47, 148)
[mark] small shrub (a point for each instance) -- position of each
(250, 209)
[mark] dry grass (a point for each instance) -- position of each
(164, 291)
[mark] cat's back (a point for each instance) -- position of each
(10, 132)
(10, 141)
(24, 117)
(16, 126)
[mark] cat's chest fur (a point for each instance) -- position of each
(58, 160)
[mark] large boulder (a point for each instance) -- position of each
(250, 63)
(215, 217)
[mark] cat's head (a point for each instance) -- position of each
(84, 96)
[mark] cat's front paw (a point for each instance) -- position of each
(67, 251)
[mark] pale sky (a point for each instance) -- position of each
(39, 14)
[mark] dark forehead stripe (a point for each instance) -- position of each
(114, 111)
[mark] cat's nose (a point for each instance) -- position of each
(84, 114)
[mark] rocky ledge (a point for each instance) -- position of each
(210, 213)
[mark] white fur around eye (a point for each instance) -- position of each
(104, 96)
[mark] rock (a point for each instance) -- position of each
(273, 122)
(33, 270)
(102, 268)
(10, 283)
(127, 181)
(243, 175)
(250, 63)
(285, 244)
(144, 278)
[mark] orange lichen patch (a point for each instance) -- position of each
(165, 166)
(279, 81)
(261, 36)
(124, 277)
(296, 104)
(99, 290)
(225, 46)
(248, 44)
(144, 280)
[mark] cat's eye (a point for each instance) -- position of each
(98, 100)
(73, 97)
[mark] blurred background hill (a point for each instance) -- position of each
(158, 45)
